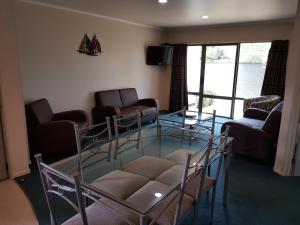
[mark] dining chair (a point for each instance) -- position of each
(218, 153)
(176, 204)
(128, 131)
(59, 186)
(175, 208)
(91, 141)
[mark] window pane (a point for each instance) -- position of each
(219, 70)
(238, 109)
(193, 102)
(193, 68)
(221, 106)
(252, 66)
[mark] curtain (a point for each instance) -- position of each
(178, 90)
(274, 80)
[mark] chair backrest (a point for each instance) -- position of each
(131, 135)
(218, 152)
(57, 185)
(192, 170)
(38, 112)
(272, 123)
(129, 96)
(108, 98)
(91, 141)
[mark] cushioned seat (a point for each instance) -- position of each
(149, 166)
(180, 155)
(96, 215)
(145, 198)
(192, 186)
(120, 183)
(172, 176)
(167, 216)
(145, 110)
(123, 102)
(252, 122)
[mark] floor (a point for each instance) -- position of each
(257, 196)
(15, 208)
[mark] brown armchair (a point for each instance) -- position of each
(123, 102)
(256, 133)
(52, 133)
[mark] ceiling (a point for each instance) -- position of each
(179, 13)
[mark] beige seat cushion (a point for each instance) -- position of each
(172, 176)
(145, 198)
(149, 166)
(168, 215)
(179, 156)
(191, 187)
(120, 183)
(96, 215)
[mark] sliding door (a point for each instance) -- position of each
(221, 76)
(218, 79)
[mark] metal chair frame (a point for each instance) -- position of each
(56, 184)
(128, 123)
(96, 139)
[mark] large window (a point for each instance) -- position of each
(221, 76)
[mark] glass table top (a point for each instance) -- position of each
(137, 177)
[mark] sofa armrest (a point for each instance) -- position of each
(249, 141)
(153, 102)
(101, 112)
(56, 137)
(254, 113)
(73, 115)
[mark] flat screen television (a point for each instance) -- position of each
(159, 55)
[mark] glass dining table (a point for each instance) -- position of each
(157, 154)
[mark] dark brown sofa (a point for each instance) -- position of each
(256, 133)
(123, 102)
(52, 133)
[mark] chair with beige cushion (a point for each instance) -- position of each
(127, 133)
(58, 186)
(176, 204)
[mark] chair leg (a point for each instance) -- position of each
(195, 216)
(212, 205)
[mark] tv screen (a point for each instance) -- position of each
(159, 55)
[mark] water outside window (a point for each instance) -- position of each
(219, 76)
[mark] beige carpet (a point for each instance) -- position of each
(15, 208)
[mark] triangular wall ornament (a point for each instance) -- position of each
(89, 47)
(95, 47)
(84, 45)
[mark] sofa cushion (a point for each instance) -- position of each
(128, 112)
(128, 96)
(108, 98)
(252, 122)
(39, 112)
(145, 110)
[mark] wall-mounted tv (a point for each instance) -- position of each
(159, 55)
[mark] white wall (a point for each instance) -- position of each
(291, 108)
(51, 67)
(231, 33)
(12, 104)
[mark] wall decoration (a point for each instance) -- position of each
(92, 48)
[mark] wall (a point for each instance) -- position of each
(12, 105)
(51, 67)
(291, 109)
(231, 33)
